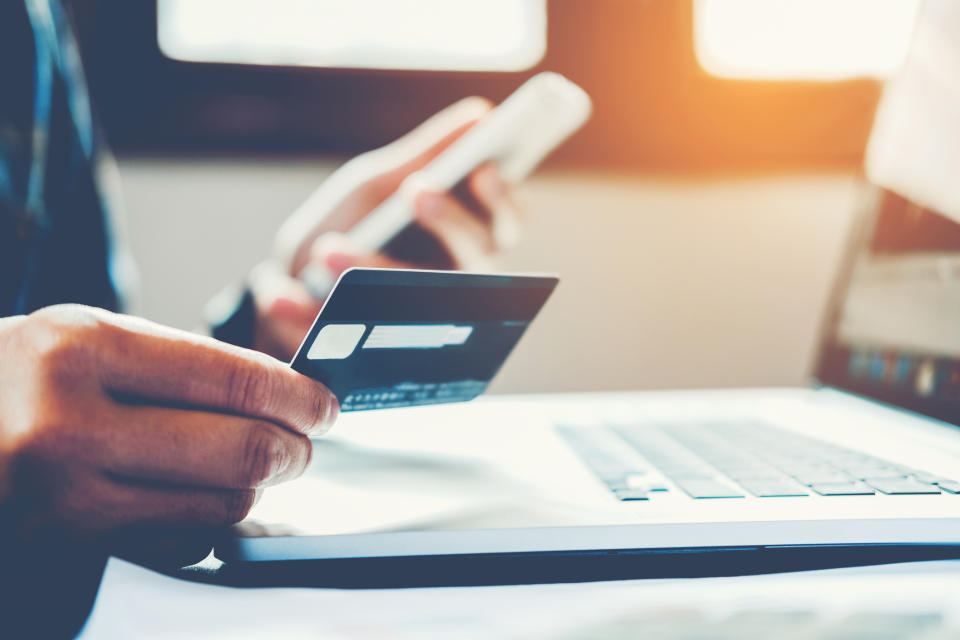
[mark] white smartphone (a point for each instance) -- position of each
(516, 136)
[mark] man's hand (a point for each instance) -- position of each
(470, 225)
(110, 423)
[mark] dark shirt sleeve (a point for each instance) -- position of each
(231, 316)
(56, 240)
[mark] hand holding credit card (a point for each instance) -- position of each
(397, 338)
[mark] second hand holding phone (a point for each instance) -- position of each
(516, 136)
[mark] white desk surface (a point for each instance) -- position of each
(135, 602)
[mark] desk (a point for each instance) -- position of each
(134, 602)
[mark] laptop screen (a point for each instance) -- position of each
(895, 332)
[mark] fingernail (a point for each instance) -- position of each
(429, 204)
(339, 262)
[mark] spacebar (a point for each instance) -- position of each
(708, 489)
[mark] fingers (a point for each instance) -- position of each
(472, 222)
(199, 448)
(96, 504)
(280, 296)
(494, 196)
(147, 361)
(121, 504)
(467, 240)
(378, 174)
(341, 261)
(367, 180)
(363, 183)
(335, 253)
(469, 237)
(284, 308)
(416, 149)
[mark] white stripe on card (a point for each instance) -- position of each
(416, 336)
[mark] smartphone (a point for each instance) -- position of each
(516, 136)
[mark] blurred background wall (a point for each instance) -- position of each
(696, 222)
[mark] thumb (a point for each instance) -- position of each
(278, 296)
(416, 149)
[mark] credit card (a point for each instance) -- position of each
(390, 338)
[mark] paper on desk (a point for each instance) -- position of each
(135, 602)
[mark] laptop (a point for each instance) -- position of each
(866, 459)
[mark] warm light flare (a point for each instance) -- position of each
(809, 39)
(490, 35)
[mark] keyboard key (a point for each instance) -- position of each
(821, 477)
(929, 478)
(903, 487)
(949, 485)
(773, 489)
(616, 484)
(631, 494)
(761, 479)
(883, 479)
(609, 466)
(709, 489)
(645, 482)
(843, 489)
(693, 476)
(876, 471)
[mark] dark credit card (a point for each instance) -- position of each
(399, 338)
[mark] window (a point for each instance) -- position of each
(470, 35)
(808, 39)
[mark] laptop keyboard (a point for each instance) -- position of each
(734, 460)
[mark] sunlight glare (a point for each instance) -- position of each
(808, 39)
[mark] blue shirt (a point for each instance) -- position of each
(56, 240)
